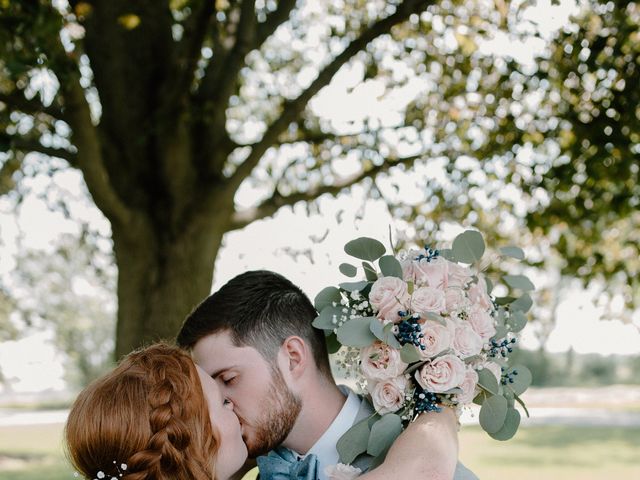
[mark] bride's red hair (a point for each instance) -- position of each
(148, 413)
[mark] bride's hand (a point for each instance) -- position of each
(427, 449)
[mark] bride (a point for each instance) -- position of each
(158, 416)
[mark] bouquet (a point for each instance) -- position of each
(423, 331)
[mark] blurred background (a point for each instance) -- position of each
(152, 150)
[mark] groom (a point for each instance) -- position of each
(254, 337)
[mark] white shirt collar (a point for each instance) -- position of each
(325, 448)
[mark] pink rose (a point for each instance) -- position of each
(442, 374)
(380, 361)
(428, 299)
(388, 395)
(466, 342)
(459, 276)
(408, 265)
(469, 387)
(482, 322)
(437, 338)
(433, 273)
(478, 294)
(388, 296)
(454, 299)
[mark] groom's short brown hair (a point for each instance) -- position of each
(260, 309)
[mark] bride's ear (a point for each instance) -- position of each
(297, 355)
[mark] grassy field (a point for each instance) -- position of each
(562, 453)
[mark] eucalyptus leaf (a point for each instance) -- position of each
(369, 272)
(356, 332)
(383, 434)
(348, 269)
(510, 427)
(390, 266)
(521, 381)
(504, 300)
(519, 400)
(447, 254)
(354, 286)
(501, 332)
(327, 296)
(468, 247)
(493, 413)
(517, 321)
(513, 252)
(522, 304)
(384, 334)
(489, 284)
(487, 380)
(333, 345)
(354, 442)
(324, 321)
(365, 248)
(520, 282)
(409, 353)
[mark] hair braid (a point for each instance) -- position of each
(174, 440)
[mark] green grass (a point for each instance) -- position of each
(550, 453)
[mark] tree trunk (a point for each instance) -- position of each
(161, 281)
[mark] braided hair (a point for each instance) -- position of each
(149, 414)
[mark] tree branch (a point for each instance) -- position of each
(293, 108)
(26, 145)
(89, 158)
(276, 201)
(274, 20)
(17, 101)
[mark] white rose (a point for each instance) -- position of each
(466, 342)
(388, 296)
(469, 387)
(482, 322)
(341, 472)
(442, 374)
(436, 339)
(379, 361)
(428, 299)
(388, 395)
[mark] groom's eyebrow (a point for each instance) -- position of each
(220, 371)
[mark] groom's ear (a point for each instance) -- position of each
(297, 355)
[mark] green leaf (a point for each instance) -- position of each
(501, 332)
(365, 248)
(409, 353)
(468, 247)
(504, 300)
(370, 272)
(513, 252)
(523, 304)
(519, 400)
(354, 286)
(519, 281)
(489, 284)
(348, 269)
(521, 381)
(493, 413)
(326, 297)
(384, 334)
(324, 321)
(447, 254)
(517, 321)
(487, 380)
(354, 442)
(390, 266)
(332, 343)
(383, 434)
(510, 427)
(356, 333)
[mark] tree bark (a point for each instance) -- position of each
(161, 281)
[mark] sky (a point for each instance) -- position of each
(305, 248)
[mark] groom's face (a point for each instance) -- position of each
(264, 403)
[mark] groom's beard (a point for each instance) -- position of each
(280, 412)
